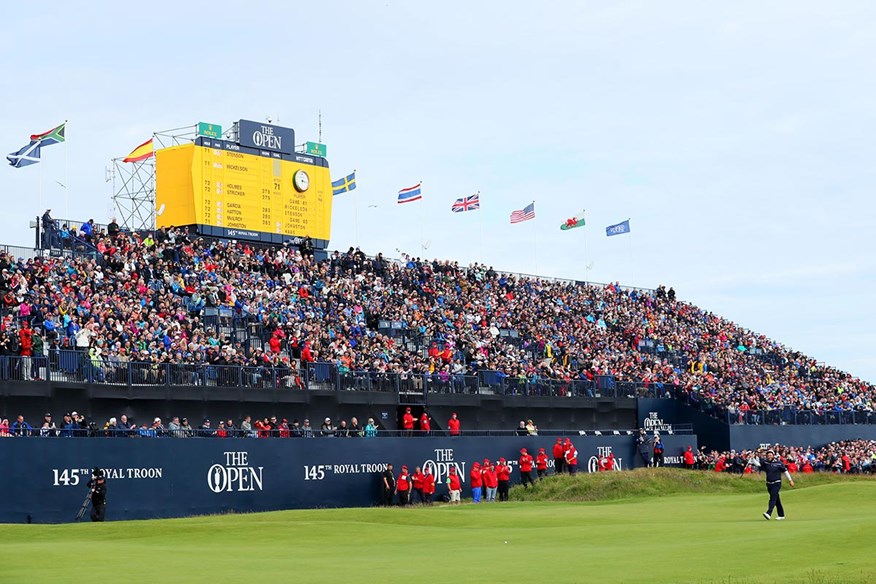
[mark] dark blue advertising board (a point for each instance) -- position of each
(179, 477)
(266, 136)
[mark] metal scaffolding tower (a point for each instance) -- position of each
(134, 193)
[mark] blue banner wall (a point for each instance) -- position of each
(178, 477)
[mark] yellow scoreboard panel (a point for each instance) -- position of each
(243, 192)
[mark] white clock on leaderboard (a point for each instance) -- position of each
(301, 181)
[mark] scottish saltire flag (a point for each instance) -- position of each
(619, 229)
(472, 203)
(524, 214)
(53, 136)
(410, 194)
(343, 185)
(26, 156)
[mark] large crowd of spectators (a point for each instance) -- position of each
(846, 457)
(76, 425)
(146, 299)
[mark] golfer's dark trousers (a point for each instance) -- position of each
(775, 500)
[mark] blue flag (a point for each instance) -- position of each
(619, 229)
(28, 155)
(343, 185)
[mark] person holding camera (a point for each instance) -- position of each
(97, 484)
(642, 447)
(658, 450)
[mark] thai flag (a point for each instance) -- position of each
(464, 204)
(410, 194)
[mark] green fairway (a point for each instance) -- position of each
(688, 537)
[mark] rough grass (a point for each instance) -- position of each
(662, 482)
(704, 529)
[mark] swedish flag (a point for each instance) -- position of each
(342, 185)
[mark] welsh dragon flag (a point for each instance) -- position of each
(573, 222)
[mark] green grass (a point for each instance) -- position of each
(609, 527)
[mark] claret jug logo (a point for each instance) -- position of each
(264, 137)
(236, 475)
(653, 423)
(441, 464)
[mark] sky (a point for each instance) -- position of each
(736, 137)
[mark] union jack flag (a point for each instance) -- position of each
(472, 203)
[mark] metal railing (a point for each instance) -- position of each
(784, 416)
(92, 430)
(81, 367)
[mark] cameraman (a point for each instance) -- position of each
(97, 484)
(643, 448)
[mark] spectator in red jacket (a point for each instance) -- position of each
(428, 485)
(541, 463)
(455, 486)
(525, 463)
(403, 485)
(689, 458)
(453, 425)
(571, 457)
(425, 428)
(491, 481)
(25, 339)
(417, 482)
(476, 479)
(503, 474)
(408, 423)
(307, 354)
(559, 452)
(274, 342)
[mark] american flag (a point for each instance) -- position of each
(524, 214)
(471, 203)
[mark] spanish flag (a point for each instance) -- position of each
(141, 152)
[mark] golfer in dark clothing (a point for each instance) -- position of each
(97, 484)
(774, 469)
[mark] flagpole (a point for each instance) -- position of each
(355, 201)
(66, 175)
(632, 266)
(535, 247)
(480, 231)
(422, 220)
(41, 186)
(584, 237)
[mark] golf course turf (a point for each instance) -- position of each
(647, 526)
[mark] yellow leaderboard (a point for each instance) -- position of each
(243, 192)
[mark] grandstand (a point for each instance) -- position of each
(173, 309)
